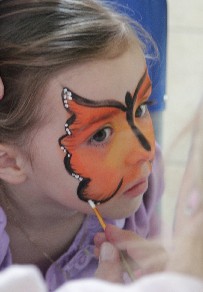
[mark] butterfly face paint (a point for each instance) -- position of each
(97, 138)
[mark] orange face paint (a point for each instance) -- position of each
(96, 165)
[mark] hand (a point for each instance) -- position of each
(143, 256)
(187, 254)
(109, 268)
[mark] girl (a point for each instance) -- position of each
(74, 126)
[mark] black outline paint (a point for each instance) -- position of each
(130, 102)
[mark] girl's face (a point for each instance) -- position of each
(98, 143)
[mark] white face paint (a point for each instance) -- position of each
(102, 80)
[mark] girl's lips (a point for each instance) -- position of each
(139, 188)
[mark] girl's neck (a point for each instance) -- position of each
(41, 227)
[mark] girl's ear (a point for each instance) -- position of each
(1, 89)
(11, 165)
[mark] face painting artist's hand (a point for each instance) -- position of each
(143, 256)
(187, 254)
(109, 268)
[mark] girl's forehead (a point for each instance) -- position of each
(105, 79)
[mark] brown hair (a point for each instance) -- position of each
(39, 37)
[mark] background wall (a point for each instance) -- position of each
(184, 90)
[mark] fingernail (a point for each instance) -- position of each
(108, 252)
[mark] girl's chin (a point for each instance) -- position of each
(119, 211)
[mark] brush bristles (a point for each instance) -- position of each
(96, 211)
(92, 204)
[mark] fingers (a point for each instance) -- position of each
(148, 261)
(116, 236)
(153, 263)
(143, 256)
(122, 239)
(137, 247)
(109, 267)
(145, 249)
(119, 236)
(99, 238)
(1, 89)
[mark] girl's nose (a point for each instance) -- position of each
(137, 150)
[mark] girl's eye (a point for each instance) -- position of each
(141, 110)
(101, 136)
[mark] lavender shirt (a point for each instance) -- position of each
(79, 260)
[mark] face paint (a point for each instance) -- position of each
(92, 142)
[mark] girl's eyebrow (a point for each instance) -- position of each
(112, 106)
(96, 118)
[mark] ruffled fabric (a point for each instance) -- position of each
(5, 255)
(27, 278)
(162, 282)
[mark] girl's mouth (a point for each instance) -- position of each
(139, 188)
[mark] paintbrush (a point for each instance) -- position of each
(122, 255)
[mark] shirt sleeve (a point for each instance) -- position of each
(5, 255)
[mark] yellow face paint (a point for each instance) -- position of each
(97, 138)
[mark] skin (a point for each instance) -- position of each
(185, 249)
(143, 256)
(48, 175)
(1, 89)
(46, 194)
(147, 257)
(94, 130)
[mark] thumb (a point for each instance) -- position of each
(109, 267)
(122, 239)
(1, 89)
